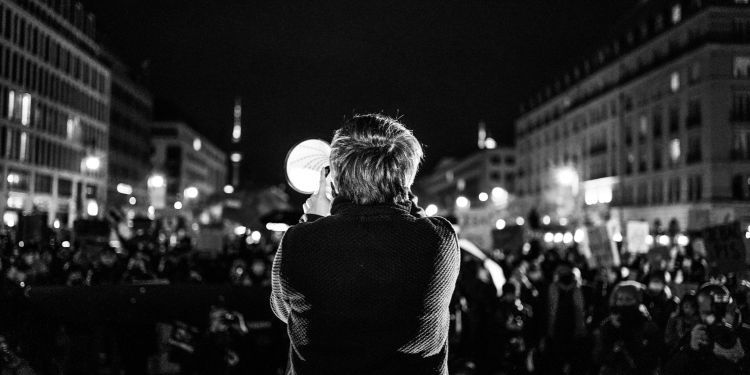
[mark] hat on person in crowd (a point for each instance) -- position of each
(634, 288)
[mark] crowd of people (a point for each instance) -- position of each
(154, 254)
(560, 314)
(557, 313)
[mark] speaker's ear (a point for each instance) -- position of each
(304, 162)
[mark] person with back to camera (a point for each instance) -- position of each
(364, 282)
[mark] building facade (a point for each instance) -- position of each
(655, 126)
(190, 166)
(132, 108)
(474, 178)
(54, 110)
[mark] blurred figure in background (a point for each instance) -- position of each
(681, 323)
(564, 345)
(628, 342)
(719, 344)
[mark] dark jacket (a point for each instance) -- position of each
(367, 290)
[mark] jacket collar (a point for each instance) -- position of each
(343, 206)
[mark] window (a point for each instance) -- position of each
(695, 73)
(673, 194)
(694, 113)
(43, 183)
(674, 119)
(674, 151)
(674, 81)
(695, 188)
(658, 156)
(741, 187)
(676, 14)
(656, 122)
(18, 180)
(740, 106)
(741, 68)
(740, 146)
(657, 195)
(642, 128)
(694, 153)
(642, 195)
(64, 188)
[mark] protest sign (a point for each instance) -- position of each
(725, 247)
(637, 232)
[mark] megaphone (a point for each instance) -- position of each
(304, 162)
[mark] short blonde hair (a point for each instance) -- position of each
(374, 159)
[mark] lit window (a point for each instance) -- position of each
(674, 150)
(674, 81)
(70, 126)
(11, 103)
(197, 144)
(741, 67)
(676, 13)
(23, 147)
(26, 109)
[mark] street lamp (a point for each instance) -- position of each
(156, 181)
(191, 192)
(431, 210)
(92, 163)
(462, 202)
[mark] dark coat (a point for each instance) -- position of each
(367, 290)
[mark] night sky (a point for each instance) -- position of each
(301, 66)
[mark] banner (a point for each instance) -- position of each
(637, 232)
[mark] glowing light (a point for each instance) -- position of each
(568, 237)
(277, 227)
(663, 240)
(563, 221)
(747, 235)
(228, 189)
(431, 210)
(255, 235)
(674, 81)
(65, 244)
(132, 201)
(124, 189)
(500, 224)
(151, 211)
(197, 144)
(13, 178)
(240, 230)
(10, 218)
(676, 13)
(649, 240)
(15, 201)
(177, 205)
(156, 181)
(236, 157)
(674, 149)
(56, 224)
(567, 176)
(191, 192)
(499, 196)
(546, 220)
(549, 237)
(682, 240)
(520, 221)
(92, 208)
(578, 236)
(617, 237)
(92, 163)
(558, 237)
(483, 197)
(25, 109)
(462, 202)
(236, 132)
(490, 143)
